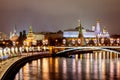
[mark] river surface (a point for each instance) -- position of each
(90, 66)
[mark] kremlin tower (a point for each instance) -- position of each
(81, 34)
(30, 35)
(30, 38)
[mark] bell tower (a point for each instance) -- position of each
(98, 27)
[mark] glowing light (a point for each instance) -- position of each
(1, 53)
(118, 40)
(102, 40)
(39, 48)
(73, 41)
(64, 41)
(111, 40)
(79, 41)
(87, 41)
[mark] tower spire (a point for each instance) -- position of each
(98, 26)
(30, 29)
(15, 31)
(80, 26)
(81, 34)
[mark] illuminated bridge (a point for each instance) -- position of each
(114, 49)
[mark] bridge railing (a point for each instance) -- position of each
(9, 52)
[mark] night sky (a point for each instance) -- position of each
(54, 15)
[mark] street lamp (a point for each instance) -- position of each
(111, 41)
(27, 49)
(95, 41)
(73, 41)
(34, 42)
(16, 50)
(20, 49)
(38, 48)
(5, 53)
(79, 41)
(46, 41)
(64, 41)
(118, 41)
(12, 50)
(102, 40)
(43, 42)
(1, 53)
(56, 42)
(87, 41)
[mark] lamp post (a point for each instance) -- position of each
(46, 42)
(38, 48)
(64, 41)
(1, 54)
(87, 41)
(79, 41)
(43, 42)
(111, 41)
(13, 51)
(102, 41)
(118, 41)
(73, 41)
(95, 41)
(56, 42)
(20, 49)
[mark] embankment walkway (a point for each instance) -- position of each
(5, 64)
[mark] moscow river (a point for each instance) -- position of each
(88, 66)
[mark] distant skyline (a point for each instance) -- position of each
(54, 15)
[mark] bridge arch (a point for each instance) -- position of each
(85, 49)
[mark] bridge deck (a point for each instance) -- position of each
(84, 48)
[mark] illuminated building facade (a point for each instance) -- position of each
(3, 36)
(33, 38)
(14, 36)
(52, 38)
(30, 38)
(94, 36)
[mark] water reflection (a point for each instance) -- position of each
(98, 65)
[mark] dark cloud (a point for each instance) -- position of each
(52, 15)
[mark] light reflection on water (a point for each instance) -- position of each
(97, 65)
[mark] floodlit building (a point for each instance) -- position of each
(3, 36)
(14, 36)
(30, 38)
(33, 38)
(52, 38)
(38, 36)
(72, 35)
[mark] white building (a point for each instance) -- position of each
(94, 36)
(95, 32)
